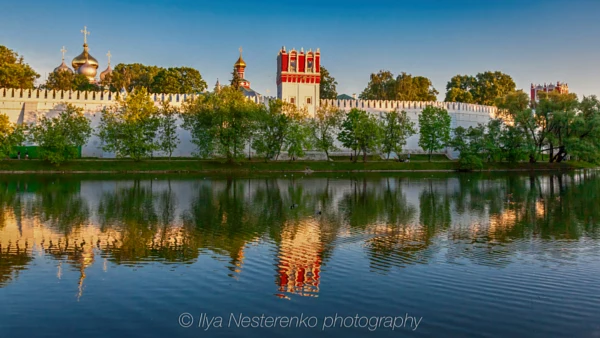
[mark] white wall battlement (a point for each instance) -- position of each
(25, 106)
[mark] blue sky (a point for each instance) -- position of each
(533, 41)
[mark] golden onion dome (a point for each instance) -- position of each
(106, 72)
(240, 62)
(63, 68)
(84, 57)
(88, 69)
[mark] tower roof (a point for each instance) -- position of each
(240, 62)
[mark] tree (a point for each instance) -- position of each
(405, 87)
(381, 86)
(220, 123)
(361, 132)
(297, 139)
(434, 129)
(11, 136)
(272, 126)
(69, 81)
(167, 129)
(236, 80)
(14, 72)
(59, 138)
(418, 88)
(132, 76)
(323, 125)
(178, 80)
(130, 127)
(396, 128)
(327, 89)
(483, 88)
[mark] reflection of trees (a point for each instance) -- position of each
(13, 259)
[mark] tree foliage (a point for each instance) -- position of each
(220, 123)
(405, 87)
(59, 138)
(273, 125)
(396, 128)
(11, 136)
(361, 132)
(236, 80)
(69, 81)
(324, 125)
(178, 80)
(129, 129)
(434, 129)
(133, 76)
(327, 88)
(14, 72)
(168, 138)
(483, 88)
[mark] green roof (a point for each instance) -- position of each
(345, 97)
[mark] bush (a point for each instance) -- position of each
(469, 163)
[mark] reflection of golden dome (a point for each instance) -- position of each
(88, 69)
(79, 60)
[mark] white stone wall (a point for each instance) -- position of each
(301, 92)
(24, 106)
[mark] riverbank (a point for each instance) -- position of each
(207, 166)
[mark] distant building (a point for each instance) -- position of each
(562, 88)
(346, 97)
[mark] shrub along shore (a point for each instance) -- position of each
(258, 166)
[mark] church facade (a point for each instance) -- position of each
(298, 82)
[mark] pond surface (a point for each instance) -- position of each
(505, 255)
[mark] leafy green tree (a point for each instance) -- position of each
(132, 76)
(14, 72)
(69, 81)
(434, 129)
(130, 127)
(220, 123)
(11, 136)
(323, 126)
(360, 132)
(178, 80)
(272, 126)
(381, 86)
(236, 80)
(417, 88)
(327, 88)
(59, 138)
(297, 139)
(168, 138)
(396, 128)
(405, 87)
(483, 88)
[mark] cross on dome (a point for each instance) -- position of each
(63, 50)
(85, 34)
(109, 55)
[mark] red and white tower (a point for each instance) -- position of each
(240, 68)
(299, 78)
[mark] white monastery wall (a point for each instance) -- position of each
(25, 106)
(304, 94)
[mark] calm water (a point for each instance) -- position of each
(453, 255)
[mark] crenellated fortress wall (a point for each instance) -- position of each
(25, 106)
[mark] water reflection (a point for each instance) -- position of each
(393, 222)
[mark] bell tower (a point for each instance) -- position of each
(299, 78)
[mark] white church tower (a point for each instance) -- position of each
(299, 78)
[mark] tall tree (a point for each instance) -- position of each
(360, 132)
(132, 76)
(236, 80)
(396, 128)
(167, 128)
(14, 72)
(483, 88)
(59, 138)
(434, 129)
(272, 126)
(327, 89)
(324, 125)
(220, 123)
(11, 136)
(178, 80)
(405, 87)
(69, 81)
(130, 127)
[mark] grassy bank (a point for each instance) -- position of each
(123, 166)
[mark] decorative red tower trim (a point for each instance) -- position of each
(298, 67)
